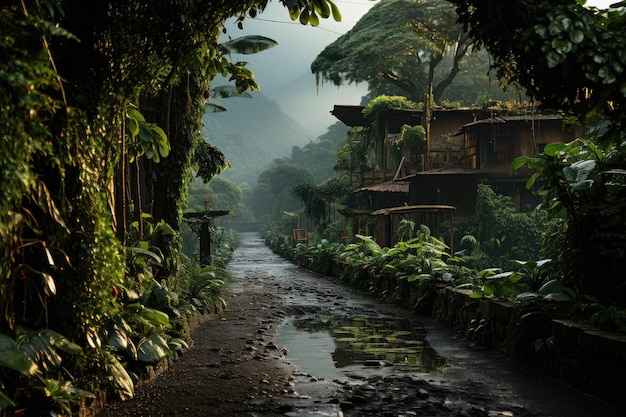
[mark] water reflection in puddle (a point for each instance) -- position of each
(323, 346)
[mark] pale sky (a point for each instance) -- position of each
(298, 45)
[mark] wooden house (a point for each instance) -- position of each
(466, 147)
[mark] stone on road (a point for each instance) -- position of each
(238, 367)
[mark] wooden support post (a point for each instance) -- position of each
(205, 243)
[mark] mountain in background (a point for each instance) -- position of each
(252, 133)
(311, 104)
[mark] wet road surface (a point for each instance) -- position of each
(294, 343)
(322, 316)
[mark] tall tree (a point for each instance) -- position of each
(396, 48)
(273, 193)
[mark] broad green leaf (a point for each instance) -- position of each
(18, 361)
(541, 30)
(576, 36)
(531, 181)
(40, 349)
(599, 59)
(5, 402)
(61, 342)
(153, 349)
(559, 297)
(132, 126)
(164, 151)
(247, 45)
(555, 27)
(304, 17)
(149, 353)
(582, 185)
(121, 381)
(566, 22)
(7, 343)
(489, 272)
(525, 296)
(518, 262)
(418, 277)
(136, 115)
(155, 316)
(500, 276)
(323, 9)
(552, 149)
(542, 262)
(214, 108)
(165, 229)
(335, 11)
(551, 286)
(80, 392)
(562, 46)
(553, 59)
(145, 252)
(159, 136)
(578, 171)
(314, 19)
(177, 344)
(118, 339)
(145, 133)
(294, 12)
(609, 76)
(519, 162)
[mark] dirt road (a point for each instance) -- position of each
(240, 365)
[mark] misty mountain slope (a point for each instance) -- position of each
(252, 133)
(311, 105)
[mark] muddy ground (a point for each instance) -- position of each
(236, 367)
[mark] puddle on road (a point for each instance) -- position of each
(323, 346)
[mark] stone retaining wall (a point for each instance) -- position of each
(581, 355)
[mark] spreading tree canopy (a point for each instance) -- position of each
(395, 48)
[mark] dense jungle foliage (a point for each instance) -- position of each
(102, 123)
(102, 113)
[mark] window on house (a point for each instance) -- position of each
(469, 149)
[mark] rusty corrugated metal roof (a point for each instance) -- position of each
(416, 208)
(505, 119)
(352, 115)
(389, 187)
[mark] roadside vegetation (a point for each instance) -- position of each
(101, 137)
(566, 259)
(102, 111)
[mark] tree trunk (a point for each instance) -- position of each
(179, 113)
(461, 50)
(406, 85)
